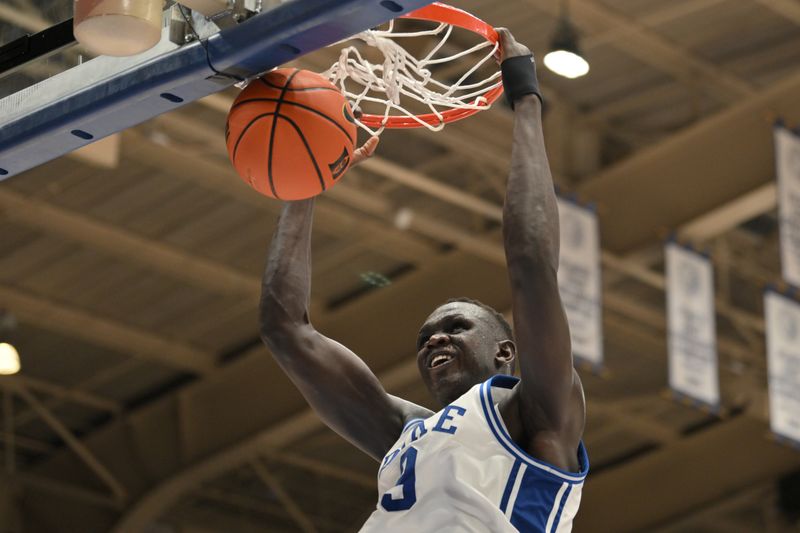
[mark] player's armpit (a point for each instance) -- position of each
(342, 390)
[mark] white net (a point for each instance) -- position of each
(402, 78)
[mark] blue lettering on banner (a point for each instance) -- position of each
(447, 417)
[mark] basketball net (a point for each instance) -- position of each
(402, 75)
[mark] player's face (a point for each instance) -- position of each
(457, 347)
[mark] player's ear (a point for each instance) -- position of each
(506, 353)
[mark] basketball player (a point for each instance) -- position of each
(504, 453)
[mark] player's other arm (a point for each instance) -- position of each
(551, 396)
(336, 383)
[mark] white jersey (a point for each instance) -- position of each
(460, 471)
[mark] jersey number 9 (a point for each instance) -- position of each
(407, 481)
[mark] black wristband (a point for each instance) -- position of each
(519, 78)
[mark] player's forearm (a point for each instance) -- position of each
(530, 213)
(286, 286)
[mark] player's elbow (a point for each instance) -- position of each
(287, 342)
(277, 327)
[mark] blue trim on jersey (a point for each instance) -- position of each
(412, 421)
(540, 502)
(534, 503)
(498, 429)
(512, 477)
(561, 506)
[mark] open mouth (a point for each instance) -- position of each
(439, 359)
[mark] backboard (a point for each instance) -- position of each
(92, 99)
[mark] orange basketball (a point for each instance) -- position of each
(290, 134)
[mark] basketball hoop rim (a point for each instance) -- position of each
(442, 13)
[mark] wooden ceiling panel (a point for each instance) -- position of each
(194, 324)
(59, 358)
(139, 383)
(64, 272)
(169, 214)
(50, 180)
(724, 29)
(148, 189)
(357, 274)
(14, 235)
(611, 76)
(227, 331)
(31, 255)
(642, 9)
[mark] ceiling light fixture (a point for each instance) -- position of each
(9, 359)
(564, 57)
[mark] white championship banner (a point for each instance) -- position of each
(579, 280)
(783, 364)
(787, 166)
(691, 325)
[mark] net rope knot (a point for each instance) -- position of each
(402, 76)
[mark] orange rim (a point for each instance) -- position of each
(438, 12)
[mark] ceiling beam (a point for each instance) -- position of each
(104, 332)
(82, 388)
(67, 491)
(116, 241)
(661, 14)
(473, 203)
(727, 505)
(699, 464)
(639, 41)
(274, 485)
(216, 175)
(322, 468)
(730, 215)
(630, 103)
(71, 395)
(79, 448)
(251, 506)
(715, 161)
(11, 442)
(789, 9)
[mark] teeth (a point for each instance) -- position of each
(439, 359)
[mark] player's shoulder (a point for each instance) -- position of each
(409, 411)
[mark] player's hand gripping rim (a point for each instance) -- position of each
(509, 47)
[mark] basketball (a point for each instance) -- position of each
(290, 134)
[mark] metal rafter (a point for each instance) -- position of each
(277, 489)
(72, 395)
(122, 243)
(119, 492)
(83, 389)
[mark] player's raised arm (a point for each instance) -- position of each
(336, 383)
(551, 394)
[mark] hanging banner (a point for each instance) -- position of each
(783, 364)
(787, 167)
(691, 325)
(579, 280)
